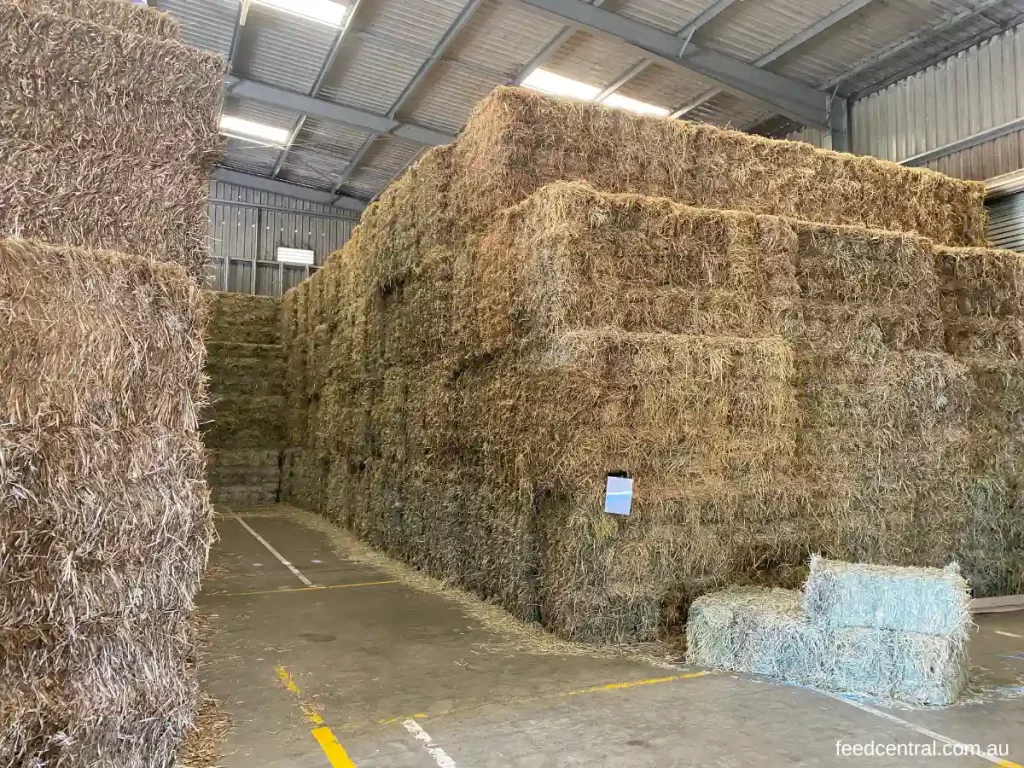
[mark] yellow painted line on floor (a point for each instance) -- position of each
(288, 590)
(634, 683)
(532, 699)
(332, 749)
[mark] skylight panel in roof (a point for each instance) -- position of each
(634, 105)
(324, 11)
(240, 128)
(557, 85)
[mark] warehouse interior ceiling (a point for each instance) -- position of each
(331, 101)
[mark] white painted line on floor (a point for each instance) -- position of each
(924, 731)
(1008, 634)
(440, 756)
(275, 553)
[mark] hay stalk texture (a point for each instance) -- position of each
(512, 321)
(106, 136)
(109, 127)
(105, 523)
(766, 632)
(244, 425)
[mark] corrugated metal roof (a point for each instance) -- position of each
(448, 96)
(313, 168)
(371, 72)
(209, 25)
(283, 49)
(592, 59)
(388, 158)
(752, 29)
(417, 24)
(249, 157)
(670, 15)
(389, 41)
(502, 37)
(662, 85)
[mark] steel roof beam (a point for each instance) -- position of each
(819, 27)
(685, 34)
(793, 99)
(325, 68)
(326, 110)
(548, 50)
(278, 187)
(435, 56)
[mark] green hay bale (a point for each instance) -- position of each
(766, 632)
(760, 631)
(245, 422)
(901, 666)
(926, 601)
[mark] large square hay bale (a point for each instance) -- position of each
(104, 514)
(71, 81)
(131, 18)
(982, 301)
(518, 140)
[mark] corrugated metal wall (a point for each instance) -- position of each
(246, 228)
(976, 90)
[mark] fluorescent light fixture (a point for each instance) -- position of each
(239, 128)
(634, 105)
(549, 82)
(324, 11)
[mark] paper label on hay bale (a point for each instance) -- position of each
(618, 495)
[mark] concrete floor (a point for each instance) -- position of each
(384, 674)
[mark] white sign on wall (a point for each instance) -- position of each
(295, 256)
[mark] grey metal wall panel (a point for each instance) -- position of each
(976, 90)
(1006, 222)
(248, 225)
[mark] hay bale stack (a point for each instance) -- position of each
(512, 322)
(517, 141)
(105, 522)
(893, 633)
(982, 304)
(244, 426)
(108, 133)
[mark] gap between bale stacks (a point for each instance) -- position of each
(244, 425)
(461, 377)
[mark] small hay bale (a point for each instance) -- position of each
(926, 601)
(901, 666)
(766, 632)
(760, 631)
